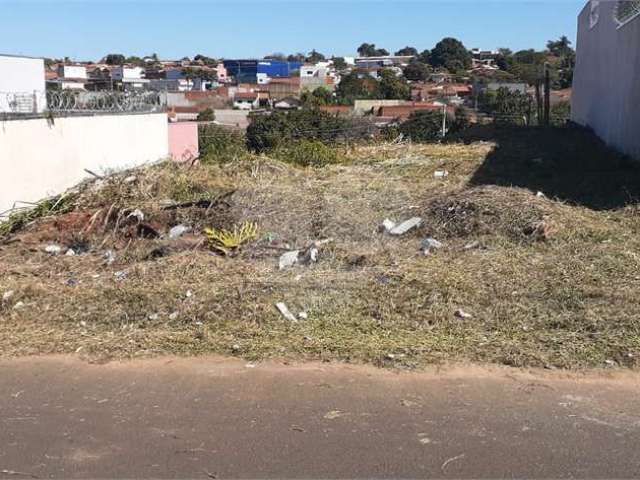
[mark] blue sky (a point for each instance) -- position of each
(89, 29)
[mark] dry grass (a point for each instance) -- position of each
(548, 283)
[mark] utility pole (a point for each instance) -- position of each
(538, 102)
(547, 94)
(444, 120)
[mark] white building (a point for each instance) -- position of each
(22, 84)
(72, 77)
(129, 77)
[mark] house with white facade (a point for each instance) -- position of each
(71, 77)
(246, 100)
(22, 85)
(129, 78)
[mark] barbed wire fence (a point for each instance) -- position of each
(69, 102)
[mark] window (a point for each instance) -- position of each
(595, 13)
(625, 11)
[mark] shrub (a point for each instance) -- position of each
(308, 153)
(267, 132)
(425, 126)
(207, 115)
(560, 114)
(219, 144)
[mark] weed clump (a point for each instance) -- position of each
(308, 153)
(229, 242)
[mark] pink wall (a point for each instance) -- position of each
(183, 141)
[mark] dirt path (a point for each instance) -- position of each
(199, 418)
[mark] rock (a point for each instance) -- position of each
(462, 314)
(6, 296)
(173, 315)
(289, 259)
(137, 213)
(303, 316)
(109, 257)
(53, 249)
(70, 253)
(130, 179)
(429, 244)
(285, 312)
(387, 226)
(178, 231)
(235, 347)
(440, 173)
(18, 305)
(405, 226)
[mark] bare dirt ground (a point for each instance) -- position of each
(549, 280)
(217, 418)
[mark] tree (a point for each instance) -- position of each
(114, 59)
(192, 73)
(370, 50)
(407, 51)
(207, 115)
(451, 54)
(206, 60)
(316, 98)
(296, 57)
(339, 63)
(423, 126)
(417, 71)
(357, 85)
(393, 87)
(560, 47)
(276, 56)
(425, 57)
(506, 105)
(315, 57)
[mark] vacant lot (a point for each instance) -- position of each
(549, 279)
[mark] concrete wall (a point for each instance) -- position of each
(23, 76)
(39, 158)
(183, 141)
(606, 85)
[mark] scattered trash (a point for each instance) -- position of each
(425, 440)
(130, 179)
(285, 312)
(303, 316)
(429, 244)
(387, 225)
(53, 249)
(409, 403)
(120, 276)
(6, 296)
(405, 226)
(173, 315)
(137, 213)
(18, 305)
(333, 414)
(473, 245)
(153, 316)
(462, 314)
(72, 282)
(288, 259)
(311, 256)
(235, 347)
(440, 173)
(145, 230)
(178, 231)
(70, 253)
(109, 257)
(610, 363)
(189, 294)
(541, 195)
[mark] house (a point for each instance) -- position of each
(511, 86)
(606, 86)
(22, 83)
(484, 59)
(386, 61)
(129, 78)
(246, 100)
(259, 71)
(317, 75)
(403, 112)
(287, 103)
(70, 77)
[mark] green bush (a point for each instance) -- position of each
(560, 114)
(218, 144)
(267, 132)
(308, 153)
(423, 126)
(207, 115)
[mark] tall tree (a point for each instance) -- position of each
(296, 57)
(393, 87)
(451, 54)
(370, 50)
(114, 59)
(276, 56)
(315, 57)
(339, 63)
(560, 47)
(407, 51)
(417, 71)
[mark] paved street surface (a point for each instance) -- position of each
(215, 418)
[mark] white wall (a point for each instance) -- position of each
(72, 71)
(22, 75)
(39, 159)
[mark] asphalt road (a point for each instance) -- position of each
(215, 418)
